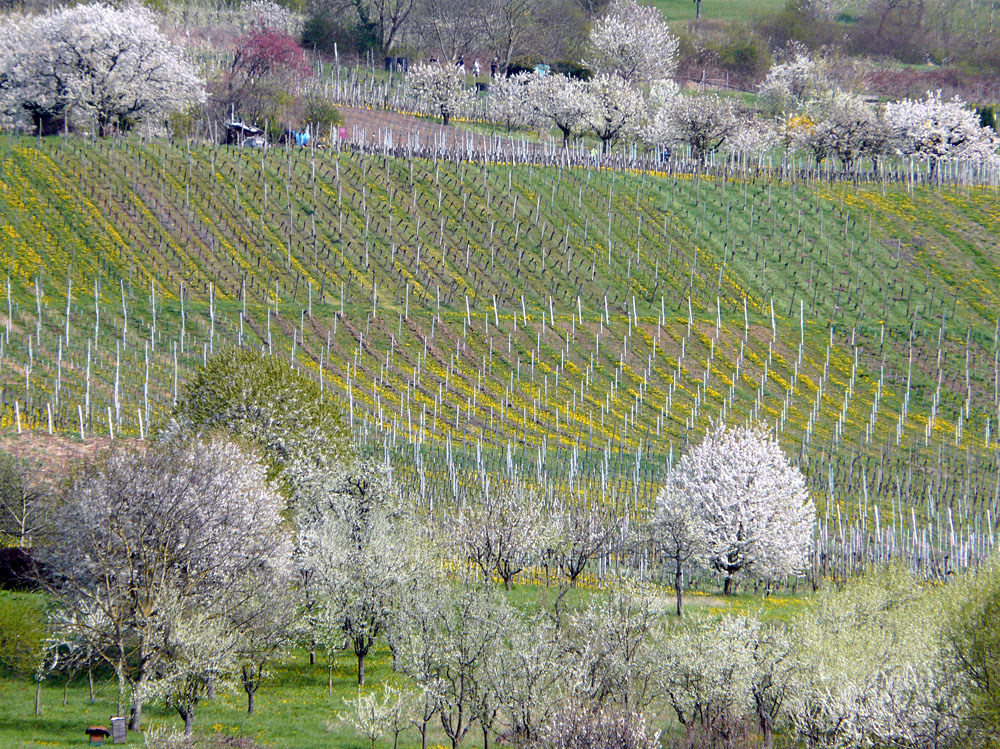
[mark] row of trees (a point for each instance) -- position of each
(248, 527)
(177, 567)
(632, 95)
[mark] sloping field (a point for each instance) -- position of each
(580, 325)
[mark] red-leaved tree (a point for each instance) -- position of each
(267, 64)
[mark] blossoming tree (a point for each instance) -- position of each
(634, 42)
(938, 130)
(757, 514)
(439, 90)
(94, 61)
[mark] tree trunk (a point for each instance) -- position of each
(251, 695)
(697, 9)
(423, 735)
(361, 669)
(768, 734)
(486, 737)
(135, 717)
(679, 588)
(188, 716)
(90, 682)
(38, 696)
(210, 688)
(312, 655)
(727, 588)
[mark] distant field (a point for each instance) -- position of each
(717, 10)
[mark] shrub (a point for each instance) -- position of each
(321, 114)
(327, 31)
(22, 632)
(973, 638)
(746, 56)
(583, 727)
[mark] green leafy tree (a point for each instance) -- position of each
(277, 408)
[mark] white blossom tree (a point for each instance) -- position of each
(360, 556)
(562, 102)
(612, 649)
(680, 532)
(453, 646)
(527, 675)
(937, 130)
(633, 42)
(758, 515)
(439, 90)
(706, 670)
(869, 668)
(584, 727)
(615, 108)
(842, 125)
(580, 536)
(752, 139)
(95, 61)
(502, 529)
(794, 78)
(185, 531)
(701, 122)
(508, 100)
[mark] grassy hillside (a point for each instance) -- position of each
(579, 324)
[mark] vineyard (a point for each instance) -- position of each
(578, 325)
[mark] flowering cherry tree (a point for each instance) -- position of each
(508, 100)
(184, 533)
(94, 61)
(936, 130)
(792, 80)
(357, 554)
(615, 108)
(267, 14)
(561, 101)
(752, 138)
(842, 124)
(633, 42)
(439, 90)
(701, 122)
(502, 529)
(758, 516)
(680, 532)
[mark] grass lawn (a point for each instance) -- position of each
(294, 708)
